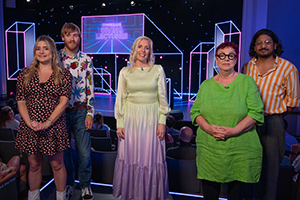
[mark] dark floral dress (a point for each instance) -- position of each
(41, 100)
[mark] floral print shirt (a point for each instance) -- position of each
(81, 69)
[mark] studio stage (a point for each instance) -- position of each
(105, 104)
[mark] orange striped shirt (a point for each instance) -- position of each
(279, 87)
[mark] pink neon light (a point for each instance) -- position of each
(6, 50)
(15, 31)
(97, 93)
(112, 15)
(82, 18)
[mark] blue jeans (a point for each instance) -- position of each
(272, 137)
(76, 125)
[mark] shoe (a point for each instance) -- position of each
(87, 194)
(69, 192)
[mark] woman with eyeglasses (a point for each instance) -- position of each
(226, 110)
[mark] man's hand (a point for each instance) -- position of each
(88, 123)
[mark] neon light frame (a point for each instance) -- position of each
(179, 53)
(31, 25)
(190, 65)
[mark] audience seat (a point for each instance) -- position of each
(7, 134)
(103, 164)
(9, 187)
(8, 150)
(114, 139)
(98, 133)
(183, 176)
(176, 140)
(101, 143)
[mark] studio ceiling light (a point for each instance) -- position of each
(132, 3)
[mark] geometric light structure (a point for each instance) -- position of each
(19, 44)
(169, 89)
(102, 80)
(227, 31)
(201, 60)
(115, 34)
(224, 31)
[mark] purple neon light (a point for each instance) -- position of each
(121, 15)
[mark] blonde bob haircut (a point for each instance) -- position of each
(69, 28)
(34, 66)
(132, 57)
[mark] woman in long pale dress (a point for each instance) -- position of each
(140, 110)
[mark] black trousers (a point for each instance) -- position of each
(211, 190)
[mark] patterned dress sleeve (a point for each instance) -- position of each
(66, 83)
(254, 102)
(20, 96)
(120, 99)
(90, 89)
(164, 108)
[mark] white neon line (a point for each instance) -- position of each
(124, 45)
(163, 33)
(101, 46)
(46, 184)
(11, 26)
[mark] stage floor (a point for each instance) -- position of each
(104, 192)
(105, 104)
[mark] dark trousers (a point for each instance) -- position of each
(211, 190)
(272, 137)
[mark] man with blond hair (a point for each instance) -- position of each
(80, 110)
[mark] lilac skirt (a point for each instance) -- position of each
(140, 168)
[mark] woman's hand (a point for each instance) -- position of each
(228, 132)
(38, 126)
(161, 130)
(121, 133)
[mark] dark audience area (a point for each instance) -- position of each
(182, 173)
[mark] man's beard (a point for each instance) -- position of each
(265, 55)
(72, 46)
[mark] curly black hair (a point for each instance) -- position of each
(277, 52)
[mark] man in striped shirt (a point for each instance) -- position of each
(278, 83)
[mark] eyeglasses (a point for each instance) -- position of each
(267, 42)
(230, 56)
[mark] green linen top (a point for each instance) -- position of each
(237, 158)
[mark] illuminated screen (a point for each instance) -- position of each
(110, 34)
